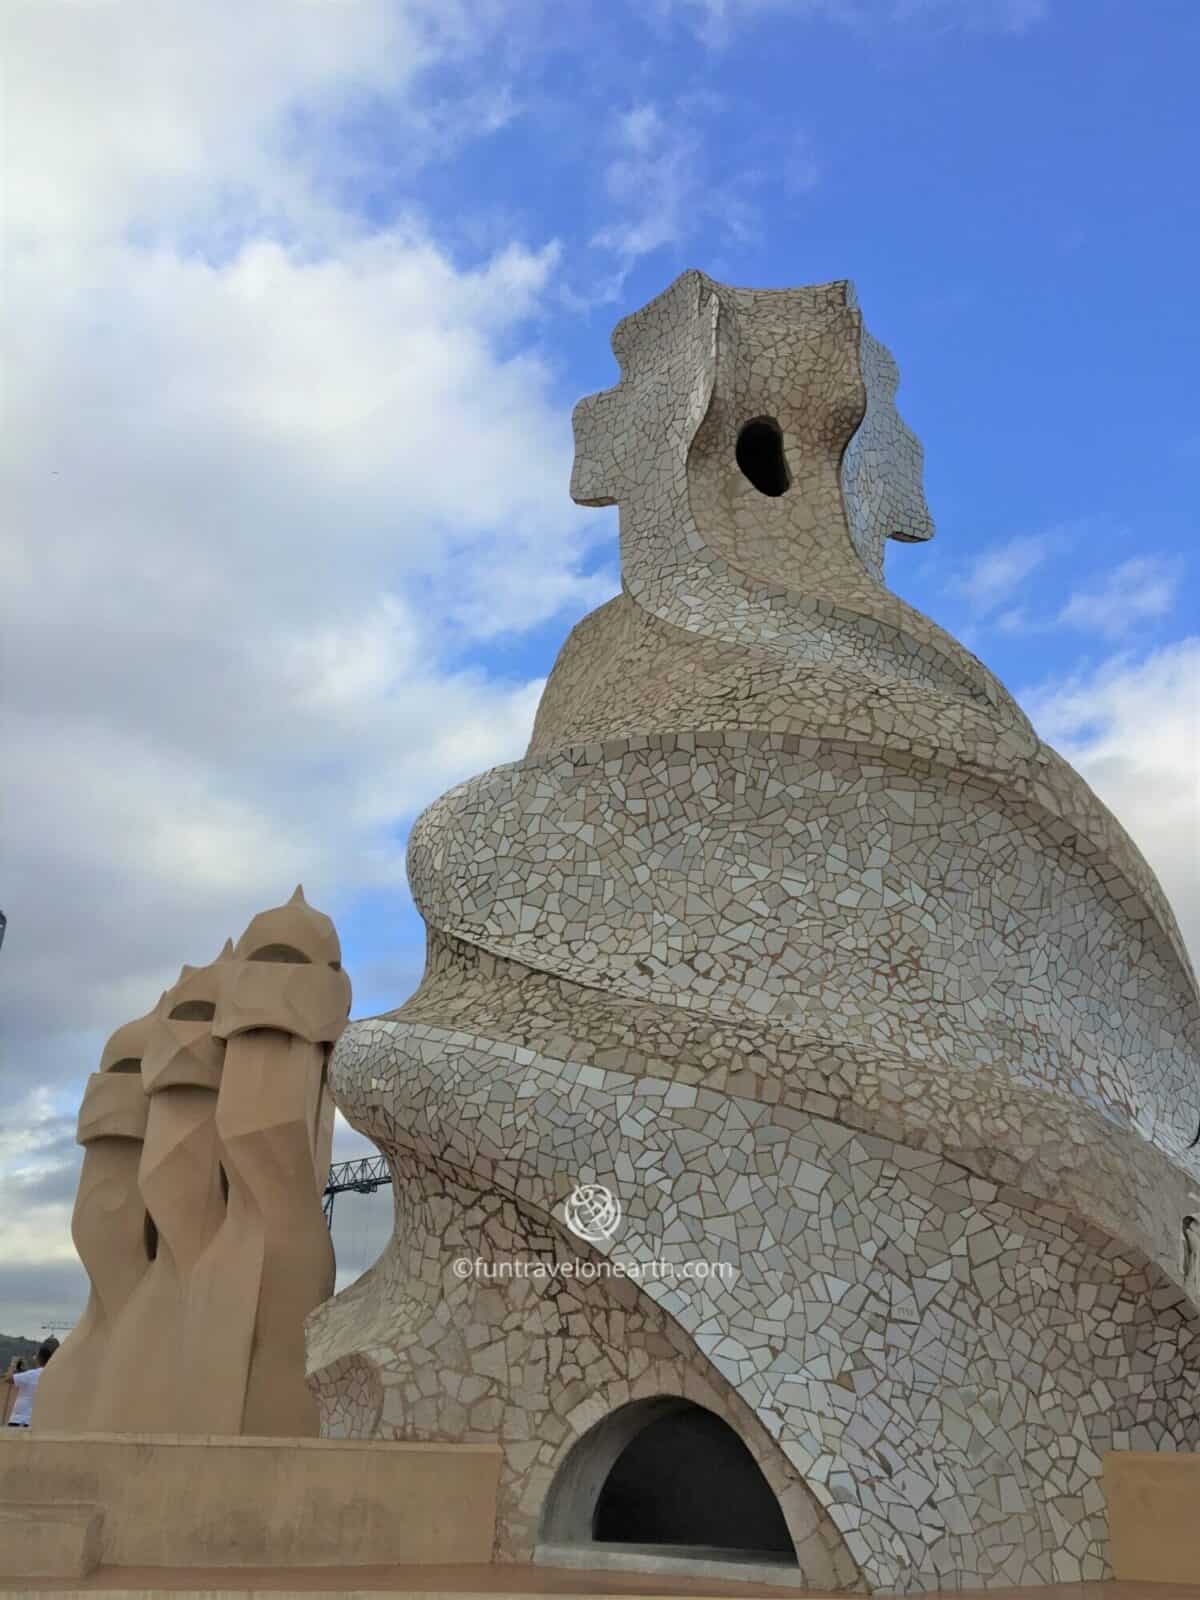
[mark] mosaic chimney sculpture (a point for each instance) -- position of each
(790, 932)
(208, 1133)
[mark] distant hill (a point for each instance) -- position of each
(11, 1345)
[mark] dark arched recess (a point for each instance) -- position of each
(665, 1475)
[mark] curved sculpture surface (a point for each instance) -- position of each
(198, 1217)
(789, 930)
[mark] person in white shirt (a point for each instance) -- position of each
(25, 1384)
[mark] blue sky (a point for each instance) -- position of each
(304, 296)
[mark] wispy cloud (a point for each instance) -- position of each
(664, 185)
(714, 21)
(1135, 592)
(802, 168)
(1001, 571)
(987, 16)
(997, 588)
(652, 180)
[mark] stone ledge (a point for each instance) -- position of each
(49, 1541)
(1154, 1515)
(175, 1502)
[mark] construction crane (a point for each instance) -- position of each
(354, 1177)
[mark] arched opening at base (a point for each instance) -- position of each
(687, 1479)
(668, 1480)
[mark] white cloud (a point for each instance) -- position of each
(653, 180)
(802, 170)
(1132, 728)
(1001, 570)
(273, 475)
(270, 486)
(665, 185)
(127, 110)
(252, 538)
(42, 1281)
(40, 1276)
(1015, 620)
(1137, 591)
(714, 21)
(221, 120)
